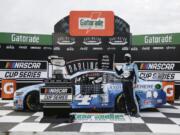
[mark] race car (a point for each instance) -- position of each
(94, 90)
(103, 89)
(27, 98)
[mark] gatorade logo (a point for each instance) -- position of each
(169, 88)
(91, 23)
(8, 88)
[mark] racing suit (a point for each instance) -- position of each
(129, 72)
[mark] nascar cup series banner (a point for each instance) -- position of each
(166, 71)
(23, 69)
(159, 70)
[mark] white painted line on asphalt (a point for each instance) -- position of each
(9, 104)
(13, 119)
(164, 128)
(136, 120)
(5, 101)
(178, 107)
(152, 114)
(177, 101)
(33, 127)
(175, 120)
(169, 110)
(97, 127)
(5, 112)
(38, 119)
(62, 124)
(38, 114)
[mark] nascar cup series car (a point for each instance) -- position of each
(27, 98)
(87, 90)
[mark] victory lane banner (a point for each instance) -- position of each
(100, 117)
(23, 69)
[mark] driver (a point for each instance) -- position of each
(129, 73)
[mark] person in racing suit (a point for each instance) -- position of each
(129, 73)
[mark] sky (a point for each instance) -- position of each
(39, 16)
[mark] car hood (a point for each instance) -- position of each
(36, 86)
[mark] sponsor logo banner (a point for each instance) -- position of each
(169, 88)
(151, 75)
(99, 117)
(23, 65)
(80, 65)
(91, 23)
(8, 88)
(156, 39)
(159, 66)
(26, 39)
(23, 74)
(120, 39)
(23, 69)
(105, 61)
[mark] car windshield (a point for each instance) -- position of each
(96, 78)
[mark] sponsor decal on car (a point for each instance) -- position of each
(56, 94)
(144, 86)
(147, 102)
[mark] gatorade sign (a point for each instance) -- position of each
(91, 23)
(169, 88)
(8, 88)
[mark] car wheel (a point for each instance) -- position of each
(120, 104)
(32, 101)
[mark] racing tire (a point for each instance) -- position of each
(32, 102)
(120, 104)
